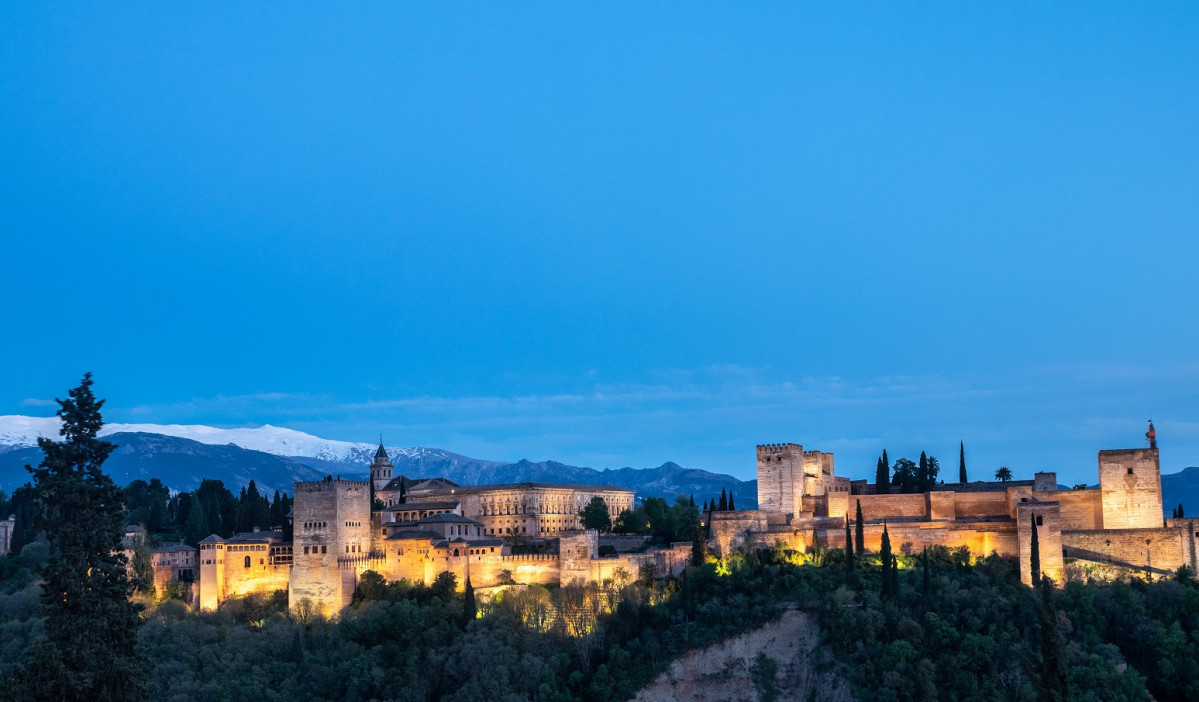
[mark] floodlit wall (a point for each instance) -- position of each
(1130, 481)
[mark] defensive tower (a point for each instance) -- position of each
(332, 527)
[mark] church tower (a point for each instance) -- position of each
(381, 468)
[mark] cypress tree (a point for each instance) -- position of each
(724, 501)
(469, 609)
(860, 529)
(403, 490)
(922, 474)
(1055, 678)
(849, 557)
(961, 461)
(894, 577)
(1181, 514)
(885, 552)
(732, 507)
(1035, 553)
(89, 650)
(882, 476)
(926, 587)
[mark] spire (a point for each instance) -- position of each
(382, 452)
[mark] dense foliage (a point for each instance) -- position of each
(88, 650)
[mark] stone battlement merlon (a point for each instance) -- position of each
(319, 485)
(778, 448)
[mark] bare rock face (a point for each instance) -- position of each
(782, 661)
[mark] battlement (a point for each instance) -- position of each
(529, 558)
(768, 449)
(328, 484)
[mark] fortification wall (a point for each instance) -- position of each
(1048, 520)
(1081, 509)
(880, 507)
(730, 529)
(1130, 482)
(980, 505)
(1160, 550)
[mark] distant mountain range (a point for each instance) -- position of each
(273, 457)
(181, 456)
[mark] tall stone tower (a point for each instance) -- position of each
(381, 468)
(786, 473)
(1131, 485)
(780, 477)
(332, 527)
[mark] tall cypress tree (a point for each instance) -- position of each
(962, 462)
(1035, 553)
(882, 476)
(88, 652)
(849, 557)
(860, 531)
(925, 564)
(732, 507)
(922, 474)
(885, 552)
(469, 609)
(724, 501)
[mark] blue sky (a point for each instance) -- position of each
(613, 235)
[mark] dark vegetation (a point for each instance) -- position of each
(938, 626)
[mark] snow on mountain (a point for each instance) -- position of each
(19, 431)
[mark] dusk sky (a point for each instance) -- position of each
(613, 235)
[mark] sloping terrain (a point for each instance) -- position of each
(740, 668)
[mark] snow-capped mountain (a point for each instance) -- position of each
(20, 431)
(182, 455)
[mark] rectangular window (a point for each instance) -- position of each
(1040, 520)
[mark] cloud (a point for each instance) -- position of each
(1052, 418)
(35, 402)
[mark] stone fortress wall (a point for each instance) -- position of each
(1119, 523)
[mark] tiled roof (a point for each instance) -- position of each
(212, 539)
(447, 517)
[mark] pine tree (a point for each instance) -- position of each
(724, 501)
(860, 531)
(882, 476)
(1035, 553)
(962, 462)
(469, 608)
(89, 649)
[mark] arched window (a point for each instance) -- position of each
(455, 552)
(247, 561)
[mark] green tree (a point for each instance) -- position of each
(595, 515)
(849, 557)
(922, 480)
(860, 531)
(724, 501)
(143, 561)
(89, 650)
(1034, 552)
(904, 476)
(469, 608)
(934, 469)
(885, 554)
(882, 476)
(732, 507)
(1004, 474)
(658, 518)
(962, 462)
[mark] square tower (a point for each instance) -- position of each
(332, 530)
(781, 478)
(1131, 486)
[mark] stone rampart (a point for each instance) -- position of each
(1160, 550)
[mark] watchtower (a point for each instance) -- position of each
(332, 528)
(1131, 485)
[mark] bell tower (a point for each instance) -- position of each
(381, 468)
